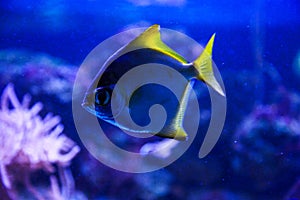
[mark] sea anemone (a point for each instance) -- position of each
(29, 143)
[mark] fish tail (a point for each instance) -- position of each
(203, 64)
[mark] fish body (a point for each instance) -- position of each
(148, 48)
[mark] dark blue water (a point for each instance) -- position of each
(255, 50)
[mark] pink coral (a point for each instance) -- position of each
(31, 142)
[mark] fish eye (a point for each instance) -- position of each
(102, 96)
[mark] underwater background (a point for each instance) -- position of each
(257, 51)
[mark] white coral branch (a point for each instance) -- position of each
(28, 140)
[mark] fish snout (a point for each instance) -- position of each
(87, 100)
(84, 104)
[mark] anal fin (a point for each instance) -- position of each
(175, 129)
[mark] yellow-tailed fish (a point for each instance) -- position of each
(149, 48)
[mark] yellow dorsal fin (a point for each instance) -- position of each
(150, 38)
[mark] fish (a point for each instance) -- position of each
(148, 47)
